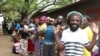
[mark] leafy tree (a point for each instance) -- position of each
(7, 10)
(28, 8)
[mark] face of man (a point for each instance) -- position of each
(85, 22)
(36, 21)
(74, 23)
(59, 21)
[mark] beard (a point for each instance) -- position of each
(73, 27)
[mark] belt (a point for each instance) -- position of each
(48, 43)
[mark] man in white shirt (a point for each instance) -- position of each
(74, 38)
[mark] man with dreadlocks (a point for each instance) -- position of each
(74, 39)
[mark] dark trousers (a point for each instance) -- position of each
(48, 50)
(4, 31)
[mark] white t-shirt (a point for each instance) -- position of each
(74, 42)
(26, 27)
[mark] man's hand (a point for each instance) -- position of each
(95, 28)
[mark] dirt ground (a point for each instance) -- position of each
(6, 45)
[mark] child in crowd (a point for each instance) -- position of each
(30, 43)
(16, 47)
(14, 34)
(23, 44)
(38, 44)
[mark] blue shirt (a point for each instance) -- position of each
(49, 34)
(18, 26)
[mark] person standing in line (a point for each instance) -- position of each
(86, 27)
(4, 27)
(16, 47)
(88, 30)
(60, 24)
(48, 47)
(36, 39)
(42, 27)
(74, 39)
(43, 24)
(9, 28)
(23, 43)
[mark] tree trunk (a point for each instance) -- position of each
(23, 16)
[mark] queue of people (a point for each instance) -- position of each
(47, 36)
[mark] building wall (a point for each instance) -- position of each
(83, 7)
(91, 8)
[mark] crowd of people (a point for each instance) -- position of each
(47, 36)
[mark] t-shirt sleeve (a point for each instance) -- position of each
(86, 41)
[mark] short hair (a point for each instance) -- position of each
(60, 17)
(23, 34)
(87, 17)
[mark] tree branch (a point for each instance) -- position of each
(54, 2)
(39, 10)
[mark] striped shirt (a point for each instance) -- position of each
(74, 42)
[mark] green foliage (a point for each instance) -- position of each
(25, 8)
(62, 3)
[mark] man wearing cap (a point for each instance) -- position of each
(74, 39)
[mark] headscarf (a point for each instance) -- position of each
(43, 18)
(36, 20)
